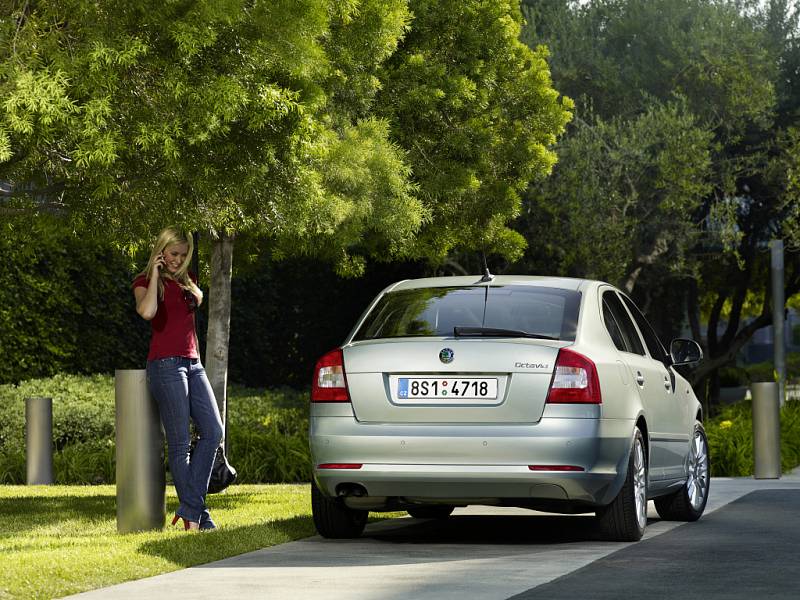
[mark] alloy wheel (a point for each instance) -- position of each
(697, 484)
(640, 484)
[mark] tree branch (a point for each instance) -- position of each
(53, 208)
(738, 301)
(693, 310)
(577, 119)
(713, 322)
(660, 247)
(711, 363)
(20, 21)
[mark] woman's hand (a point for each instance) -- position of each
(157, 265)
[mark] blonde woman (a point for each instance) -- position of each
(167, 295)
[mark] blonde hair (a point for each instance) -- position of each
(168, 237)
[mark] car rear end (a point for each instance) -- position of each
(436, 398)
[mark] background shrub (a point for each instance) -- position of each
(730, 439)
(65, 306)
(267, 429)
(744, 375)
(83, 409)
(765, 371)
(268, 432)
(281, 322)
(732, 376)
(268, 435)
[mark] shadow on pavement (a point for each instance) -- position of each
(411, 541)
(491, 529)
(193, 548)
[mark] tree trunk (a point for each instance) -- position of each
(713, 388)
(219, 322)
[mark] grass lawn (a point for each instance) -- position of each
(59, 540)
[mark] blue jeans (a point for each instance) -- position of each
(181, 389)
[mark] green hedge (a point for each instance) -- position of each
(730, 439)
(267, 431)
(285, 315)
(65, 306)
(734, 376)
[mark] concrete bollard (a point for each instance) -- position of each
(39, 441)
(141, 481)
(766, 430)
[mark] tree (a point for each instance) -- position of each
(477, 114)
(729, 67)
(628, 187)
(245, 118)
(219, 116)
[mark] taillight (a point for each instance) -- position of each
(330, 382)
(574, 381)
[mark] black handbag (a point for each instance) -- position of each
(222, 473)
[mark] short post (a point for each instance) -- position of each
(766, 430)
(39, 440)
(141, 481)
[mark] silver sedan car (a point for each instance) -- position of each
(547, 393)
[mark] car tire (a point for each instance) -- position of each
(333, 519)
(624, 520)
(433, 511)
(689, 502)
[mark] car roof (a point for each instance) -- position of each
(566, 283)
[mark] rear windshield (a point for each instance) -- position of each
(423, 312)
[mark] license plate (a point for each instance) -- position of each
(446, 388)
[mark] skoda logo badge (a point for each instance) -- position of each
(446, 355)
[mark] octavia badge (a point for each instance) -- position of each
(446, 355)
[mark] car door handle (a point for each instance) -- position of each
(639, 378)
(667, 384)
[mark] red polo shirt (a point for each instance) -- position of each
(173, 326)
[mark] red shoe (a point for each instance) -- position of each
(187, 525)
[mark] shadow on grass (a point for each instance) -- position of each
(198, 548)
(236, 496)
(23, 514)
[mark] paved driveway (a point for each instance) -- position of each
(489, 553)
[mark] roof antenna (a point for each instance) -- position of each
(486, 275)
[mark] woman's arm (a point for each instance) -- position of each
(195, 288)
(198, 294)
(147, 299)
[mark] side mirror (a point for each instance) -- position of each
(685, 352)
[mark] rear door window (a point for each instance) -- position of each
(654, 345)
(551, 312)
(613, 328)
(629, 337)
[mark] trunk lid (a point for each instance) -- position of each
(516, 371)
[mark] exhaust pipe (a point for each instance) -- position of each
(348, 490)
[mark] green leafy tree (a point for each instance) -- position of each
(728, 69)
(477, 114)
(626, 190)
(299, 123)
(223, 117)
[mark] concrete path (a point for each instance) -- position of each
(478, 553)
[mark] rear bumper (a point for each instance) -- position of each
(475, 464)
